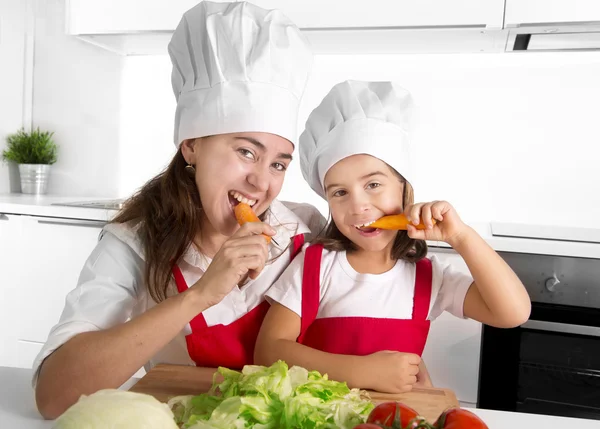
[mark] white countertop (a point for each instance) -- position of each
(32, 205)
(23, 204)
(17, 409)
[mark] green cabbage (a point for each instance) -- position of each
(117, 409)
(272, 397)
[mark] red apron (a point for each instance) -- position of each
(361, 336)
(232, 345)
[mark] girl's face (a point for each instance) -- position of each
(248, 167)
(360, 189)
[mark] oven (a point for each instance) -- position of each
(551, 364)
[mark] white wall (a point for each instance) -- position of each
(77, 94)
(13, 32)
(507, 137)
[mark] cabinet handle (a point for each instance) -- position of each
(70, 222)
(565, 328)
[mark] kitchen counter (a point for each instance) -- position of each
(17, 409)
(42, 205)
(23, 204)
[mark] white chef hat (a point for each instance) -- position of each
(354, 118)
(237, 68)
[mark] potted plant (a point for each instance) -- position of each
(34, 152)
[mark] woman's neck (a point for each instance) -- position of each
(208, 240)
(366, 262)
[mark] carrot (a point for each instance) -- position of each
(244, 213)
(397, 222)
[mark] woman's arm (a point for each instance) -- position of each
(91, 361)
(384, 371)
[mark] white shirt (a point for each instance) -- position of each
(111, 288)
(347, 293)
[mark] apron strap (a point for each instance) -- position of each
(311, 287)
(297, 243)
(197, 323)
(422, 298)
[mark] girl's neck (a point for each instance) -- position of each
(365, 262)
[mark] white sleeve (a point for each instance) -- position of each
(287, 290)
(449, 288)
(310, 215)
(105, 295)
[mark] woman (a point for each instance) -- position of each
(238, 74)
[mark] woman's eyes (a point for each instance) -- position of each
(246, 153)
(279, 166)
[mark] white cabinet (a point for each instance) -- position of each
(551, 11)
(320, 14)
(453, 346)
(10, 270)
(41, 261)
(124, 16)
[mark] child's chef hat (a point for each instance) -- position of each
(357, 118)
(237, 68)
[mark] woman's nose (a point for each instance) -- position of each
(259, 178)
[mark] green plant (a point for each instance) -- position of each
(36, 147)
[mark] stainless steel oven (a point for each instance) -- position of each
(550, 364)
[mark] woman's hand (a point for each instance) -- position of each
(448, 226)
(244, 253)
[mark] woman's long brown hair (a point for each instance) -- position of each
(167, 210)
(404, 247)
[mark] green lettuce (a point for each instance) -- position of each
(275, 397)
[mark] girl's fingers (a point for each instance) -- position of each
(426, 215)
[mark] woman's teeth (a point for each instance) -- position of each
(241, 198)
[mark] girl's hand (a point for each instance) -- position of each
(448, 227)
(389, 371)
(244, 253)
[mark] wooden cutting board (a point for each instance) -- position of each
(165, 381)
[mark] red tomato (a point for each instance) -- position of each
(394, 415)
(457, 418)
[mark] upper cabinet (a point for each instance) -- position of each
(331, 26)
(524, 12)
(353, 27)
(322, 14)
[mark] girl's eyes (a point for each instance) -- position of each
(373, 185)
(339, 193)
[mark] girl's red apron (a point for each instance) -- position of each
(232, 345)
(361, 336)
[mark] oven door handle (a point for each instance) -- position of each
(566, 328)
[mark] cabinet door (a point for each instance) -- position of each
(11, 245)
(124, 16)
(551, 11)
(453, 346)
(55, 250)
(317, 14)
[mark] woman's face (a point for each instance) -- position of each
(241, 166)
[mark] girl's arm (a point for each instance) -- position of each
(384, 371)
(497, 297)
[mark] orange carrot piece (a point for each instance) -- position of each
(395, 222)
(244, 213)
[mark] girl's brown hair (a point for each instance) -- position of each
(167, 211)
(404, 247)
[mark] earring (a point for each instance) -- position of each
(190, 168)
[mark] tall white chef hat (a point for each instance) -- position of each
(237, 68)
(354, 118)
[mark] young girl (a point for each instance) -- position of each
(358, 304)
(174, 279)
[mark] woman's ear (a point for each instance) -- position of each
(188, 150)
